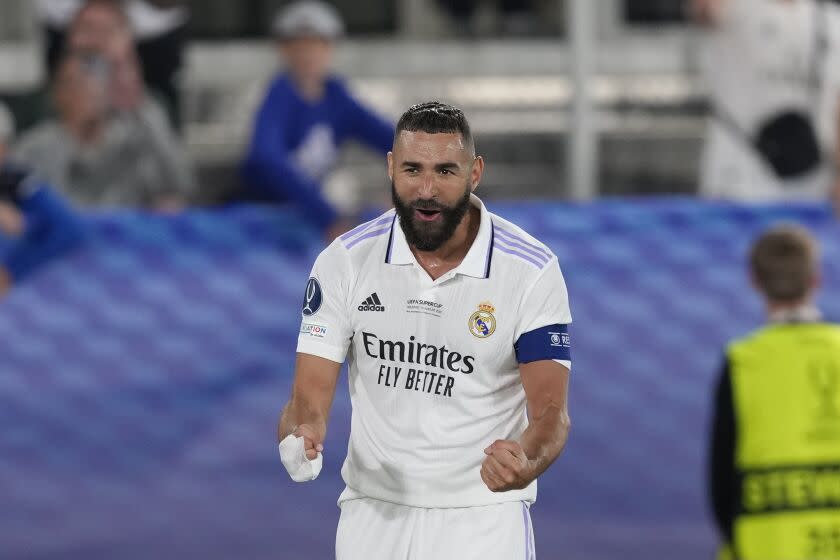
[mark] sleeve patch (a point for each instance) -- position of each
(313, 298)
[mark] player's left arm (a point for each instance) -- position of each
(512, 465)
(543, 350)
(546, 386)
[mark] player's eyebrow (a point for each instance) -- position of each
(446, 165)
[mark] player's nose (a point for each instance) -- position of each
(428, 188)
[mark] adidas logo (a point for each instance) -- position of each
(372, 303)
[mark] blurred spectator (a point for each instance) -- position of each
(775, 441)
(40, 226)
(110, 145)
(771, 67)
(158, 26)
(306, 116)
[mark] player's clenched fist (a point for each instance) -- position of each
(506, 467)
(300, 453)
(311, 440)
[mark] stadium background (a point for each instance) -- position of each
(141, 377)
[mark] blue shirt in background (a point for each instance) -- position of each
(295, 144)
(52, 228)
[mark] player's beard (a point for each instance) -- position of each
(429, 236)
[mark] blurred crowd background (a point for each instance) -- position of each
(186, 80)
(207, 149)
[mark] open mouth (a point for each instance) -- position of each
(427, 215)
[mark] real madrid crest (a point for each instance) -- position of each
(482, 323)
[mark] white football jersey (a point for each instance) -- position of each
(434, 364)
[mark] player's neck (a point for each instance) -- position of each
(449, 255)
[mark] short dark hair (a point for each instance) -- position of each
(784, 263)
(435, 117)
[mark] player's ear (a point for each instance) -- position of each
(390, 159)
(477, 172)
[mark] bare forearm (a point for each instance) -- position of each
(298, 412)
(545, 437)
(513, 465)
(312, 396)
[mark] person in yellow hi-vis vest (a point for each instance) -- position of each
(775, 438)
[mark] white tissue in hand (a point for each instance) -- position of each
(293, 456)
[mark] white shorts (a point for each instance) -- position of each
(374, 530)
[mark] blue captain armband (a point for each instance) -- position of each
(546, 343)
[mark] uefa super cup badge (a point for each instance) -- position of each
(312, 298)
(483, 323)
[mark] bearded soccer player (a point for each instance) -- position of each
(455, 325)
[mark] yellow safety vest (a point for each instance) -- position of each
(786, 397)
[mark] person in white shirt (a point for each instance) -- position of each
(770, 67)
(455, 325)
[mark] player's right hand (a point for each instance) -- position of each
(300, 453)
(312, 443)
